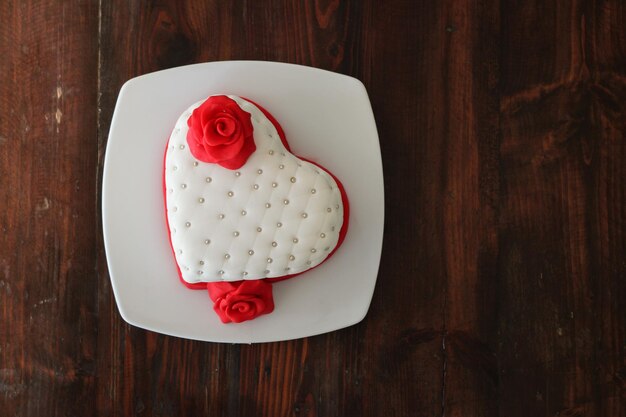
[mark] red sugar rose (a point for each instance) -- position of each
(242, 300)
(220, 132)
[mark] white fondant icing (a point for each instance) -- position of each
(274, 216)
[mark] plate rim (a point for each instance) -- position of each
(132, 318)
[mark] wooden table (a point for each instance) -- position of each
(502, 285)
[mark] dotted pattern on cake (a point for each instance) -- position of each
(277, 215)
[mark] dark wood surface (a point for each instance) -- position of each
(502, 287)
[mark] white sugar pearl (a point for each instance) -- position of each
(208, 179)
(313, 190)
(230, 194)
(304, 215)
(221, 216)
(255, 186)
(279, 224)
(182, 146)
(201, 200)
(207, 241)
(187, 224)
(274, 185)
(227, 256)
(235, 234)
(243, 212)
(281, 166)
(183, 186)
(237, 174)
(285, 201)
(292, 179)
(258, 229)
(250, 252)
(295, 240)
(291, 257)
(269, 260)
(195, 163)
(259, 171)
(313, 250)
(268, 205)
(274, 244)
(322, 235)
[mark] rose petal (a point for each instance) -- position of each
(242, 300)
(241, 306)
(212, 137)
(241, 311)
(220, 307)
(212, 134)
(225, 126)
(221, 132)
(248, 148)
(225, 152)
(219, 290)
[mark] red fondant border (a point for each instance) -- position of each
(281, 134)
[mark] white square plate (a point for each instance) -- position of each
(326, 117)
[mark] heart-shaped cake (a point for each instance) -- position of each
(243, 211)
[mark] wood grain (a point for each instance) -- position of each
(503, 272)
(48, 291)
(562, 212)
